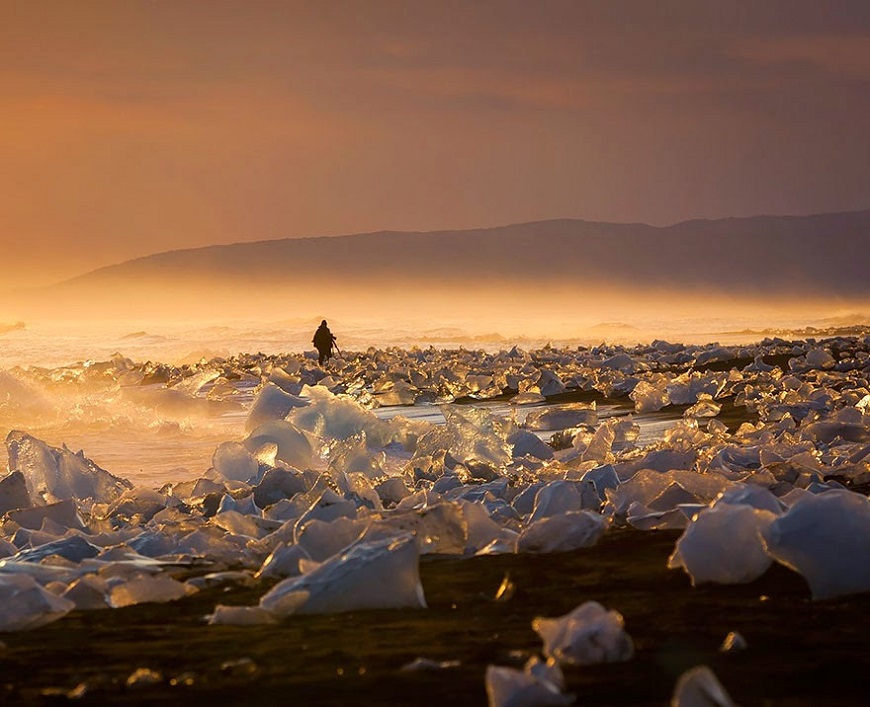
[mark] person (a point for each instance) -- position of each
(323, 341)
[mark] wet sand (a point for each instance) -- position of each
(799, 652)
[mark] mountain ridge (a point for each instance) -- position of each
(561, 263)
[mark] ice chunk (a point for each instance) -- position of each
(562, 496)
(819, 358)
(293, 447)
(481, 528)
(751, 495)
(722, 544)
(663, 460)
(243, 578)
(382, 574)
(63, 513)
(524, 501)
(246, 505)
(476, 435)
(143, 678)
(88, 593)
(272, 403)
(56, 474)
(428, 664)
(321, 540)
(699, 687)
(827, 431)
(331, 418)
(439, 527)
(563, 532)
(673, 496)
(527, 443)
(400, 393)
(280, 484)
(603, 477)
(283, 561)
(642, 518)
(733, 643)
(241, 616)
(826, 538)
(392, 490)
(233, 462)
(507, 687)
(148, 589)
(648, 397)
(351, 456)
(13, 493)
(328, 506)
(620, 362)
(238, 523)
(705, 407)
(558, 417)
(73, 548)
(547, 384)
(646, 486)
(527, 398)
(588, 635)
(691, 388)
(139, 505)
(24, 604)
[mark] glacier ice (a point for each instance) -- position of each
(240, 616)
(558, 417)
(24, 604)
(558, 497)
(325, 477)
(649, 397)
(382, 574)
(291, 446)
(62, 513)
(588, 635)
(272, 403)
(89, 592)
(699, 687)
(826, 538)
(723, 544)
(232, 461)
(54, 474)
(284, 561)
(530, 687)
(13, 492)
(562, 532)
(144, 588)
(732, 643)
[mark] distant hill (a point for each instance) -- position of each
(826, 252)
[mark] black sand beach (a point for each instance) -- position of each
(799, 652)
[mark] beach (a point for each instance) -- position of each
(658, 481)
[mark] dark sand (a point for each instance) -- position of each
(799, 652)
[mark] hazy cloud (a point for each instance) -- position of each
(128, 128)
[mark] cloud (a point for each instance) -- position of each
(131, 127)
(843, 56)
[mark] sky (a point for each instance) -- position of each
(129, 127)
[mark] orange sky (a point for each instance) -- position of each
(132, 127)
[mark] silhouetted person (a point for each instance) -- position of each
(323, 341)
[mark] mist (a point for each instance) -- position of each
(185, 322)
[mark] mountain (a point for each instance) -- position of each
(548, 270)
(827, 252)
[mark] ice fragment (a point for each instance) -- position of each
(588, 635)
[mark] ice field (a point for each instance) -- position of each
(321, 491)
